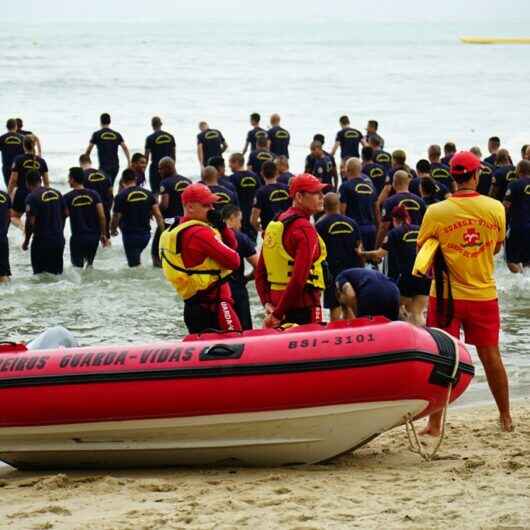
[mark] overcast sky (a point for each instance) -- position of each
(36, 10)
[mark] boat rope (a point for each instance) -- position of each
(412, 435)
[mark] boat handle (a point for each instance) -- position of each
(218, 352)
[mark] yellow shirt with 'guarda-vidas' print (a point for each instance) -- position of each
(468, 226)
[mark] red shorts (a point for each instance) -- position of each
(480, 319)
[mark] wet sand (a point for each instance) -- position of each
(480, 479)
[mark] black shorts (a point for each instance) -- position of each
(134, 244)
(241, 304)
(379, 301)
(5, 270)
(368, 234)
(47, 256)
(410, 286)
(111, 172)
(199, 318)
(19, 201)
(517, 248)
(83, 250)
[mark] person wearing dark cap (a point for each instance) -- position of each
(470, 229)
(198, 256)
(254, 133)
(158, 145)
(290, 273)
(133, 208)
(87, 220)
(107, 142)
(45, 224)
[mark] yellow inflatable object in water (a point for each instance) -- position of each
(495, 40)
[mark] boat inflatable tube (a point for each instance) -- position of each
(262, 397)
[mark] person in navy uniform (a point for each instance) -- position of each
(271, 199)
(517, 204)
(210, 143)
(88, 224)
(246, 184)
(279, 138)
(423, 171)
(310, 160)
(225, 196)
(218, 162)
(376, 172)
(343, 243)
(254, 133)
(358, 198)
(45, 224)
(246, 248)
(25, 132)
(348, 139)
(284, 174)
(259, 156)
(449, 152)
(439, 171)
(381, 157)
(371, 131)
(160, 144)
(5, 221)
(323, 167)
(494, 144)
(107, 142)
(503, 173)
(10, 147)
(133, 208)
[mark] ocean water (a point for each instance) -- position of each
(414, 76)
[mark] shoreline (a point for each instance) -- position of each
(480, 479)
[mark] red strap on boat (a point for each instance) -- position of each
(12, 347)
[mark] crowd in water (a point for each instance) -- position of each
(373, 208)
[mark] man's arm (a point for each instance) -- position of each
(46, 180)
(173, 151)
(28, 230)
(254, 219)
(247, 143)
(38, 145)
(335, 178)
(114, 222)
(343, 208)
(200, 154)
(224, 146)
(102, 224)
(164, 202)
(89, 148)
(334, 148)
(155, 211)
(147, 155)
(223, 252)
(123, 145)
(13, 181)
(382, 230)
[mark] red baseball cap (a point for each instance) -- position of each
(198, 193)
(305, 182)
(464, 162)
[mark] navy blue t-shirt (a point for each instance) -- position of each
(23, 164)
(401, 244)
(245, 248)
(82, 209)
(271, 200)
(253, 135)
(285, 177)
(107, 142)
(135, 205)
(518, 195)
(323, 169)
(490, 160)
(412, 203)
(377, 174)
(441, 190)
(310, 162)
(160, 145)
(173, 187)
(383, 158)
(484, 180)
(5, 206)
(246, 184)
(45, 205)
(440, 173)
(502, 176)
(226, 181)
(211, 141)
(257, 158)
(341, 236)
(226, 196)
(349, 140)
(279, 139)
(11, 147)
(100, 183)
(359, 195)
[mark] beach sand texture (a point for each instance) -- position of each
(480, 480)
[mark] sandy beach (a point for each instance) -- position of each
(481, 479)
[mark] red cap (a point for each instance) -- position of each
(305, 182)
(198, 193)
(464, 162)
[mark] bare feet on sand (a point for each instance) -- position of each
(506, 423)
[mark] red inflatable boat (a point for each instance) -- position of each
(258, 398)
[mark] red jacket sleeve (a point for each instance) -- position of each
(201, 243)
(304, 241)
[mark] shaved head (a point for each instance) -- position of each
(275, 119)
(401, 180)
(331, 202)
(210, 175)
(523, 169)
(353, 167)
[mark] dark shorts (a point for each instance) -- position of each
(307, 315)
(379, 301)
(517, 249)
(368, 234)
(83, 250)
(134, 244)
(480, 320)
(19, 201)
(47, 256)
(241, 304)
(203, 317)
(410, 286)
(111, 172)
(5, 270)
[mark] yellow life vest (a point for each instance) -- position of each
(188, 281)
(279, 264)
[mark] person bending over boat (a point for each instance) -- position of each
(198, 256)
(470, 230)
(365, 292)
(290, 275)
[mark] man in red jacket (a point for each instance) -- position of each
(290, 275)
(198, 256)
